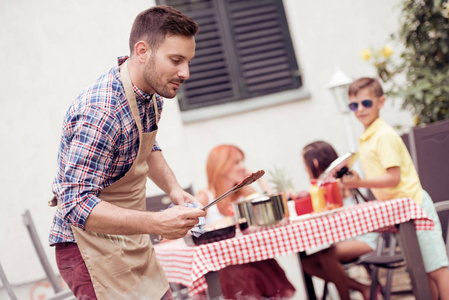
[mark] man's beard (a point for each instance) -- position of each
(151, 77)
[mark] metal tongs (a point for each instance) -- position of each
(247, 181)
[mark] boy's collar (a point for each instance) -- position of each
(372, 129)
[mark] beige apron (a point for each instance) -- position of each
(125, 266)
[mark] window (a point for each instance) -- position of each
(243, 50)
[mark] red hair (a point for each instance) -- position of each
(221, 159)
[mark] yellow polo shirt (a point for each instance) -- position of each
(382, 148)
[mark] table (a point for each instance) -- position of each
(192, 265)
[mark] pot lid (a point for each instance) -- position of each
(338, 167)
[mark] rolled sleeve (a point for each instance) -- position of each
(91, 135)
(156, 146)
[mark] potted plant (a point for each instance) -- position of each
(418, 73)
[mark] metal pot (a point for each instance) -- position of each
(260, 211)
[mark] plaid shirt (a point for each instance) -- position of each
(99, 144)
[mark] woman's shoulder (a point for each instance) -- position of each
(203, 196)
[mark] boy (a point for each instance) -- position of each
(390, 174)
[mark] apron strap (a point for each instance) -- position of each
(129, 91)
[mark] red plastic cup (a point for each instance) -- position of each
(333, 195)
(303, 206)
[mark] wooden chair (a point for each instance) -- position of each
(60, 293)
(387, 256)
(442, 208)
(390, 258)
(6, 284)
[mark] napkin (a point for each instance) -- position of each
(199, 228)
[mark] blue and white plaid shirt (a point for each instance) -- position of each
(99, 144)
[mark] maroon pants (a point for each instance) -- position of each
(74, 272)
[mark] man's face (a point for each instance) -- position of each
(168, 66)
(367, 115)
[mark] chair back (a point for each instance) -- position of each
(29, 224)
(60, 293)
(6, 284)
(442, 208)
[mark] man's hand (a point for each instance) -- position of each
(180, 197)
(175, 222)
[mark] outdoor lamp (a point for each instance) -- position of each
(338, 85)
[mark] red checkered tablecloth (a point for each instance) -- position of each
(187, 265)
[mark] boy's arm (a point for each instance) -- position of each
(389, 179)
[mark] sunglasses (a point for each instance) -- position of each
(366, 103)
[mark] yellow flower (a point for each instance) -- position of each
(416, 120)
(387, 51)
(366, 54)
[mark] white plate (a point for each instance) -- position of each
(316, 215)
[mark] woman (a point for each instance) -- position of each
(327, 264)
(264, 279)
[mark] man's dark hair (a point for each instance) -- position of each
(154, 24)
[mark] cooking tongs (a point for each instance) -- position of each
(247, 181)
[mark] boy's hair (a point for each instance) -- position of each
(153, 24)
(365, 83)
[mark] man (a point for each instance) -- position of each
(108, 148)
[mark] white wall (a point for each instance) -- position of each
(53, 49)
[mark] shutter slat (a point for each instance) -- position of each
(253, 10)
(263, 55)
(211, 98)
(210, 81)
(271, 85)
(260, 48)
(209, 90)
(261, 42)
(209, 66)
(262, 64)
(268, 77)
(205, 59)
(258, 34)
(267, 69)
(258, 26)
(201, 76)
